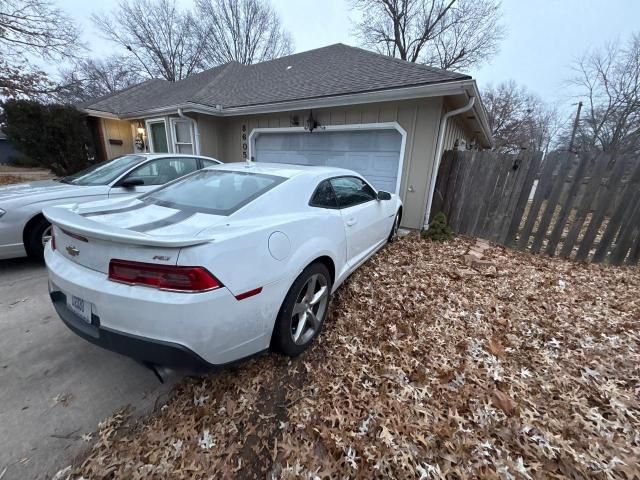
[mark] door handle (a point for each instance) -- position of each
(351, 222)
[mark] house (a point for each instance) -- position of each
(7, 152)
(385, 118)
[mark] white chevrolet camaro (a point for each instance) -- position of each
(25, 231)
(216, 266)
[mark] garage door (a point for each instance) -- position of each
(374, 154)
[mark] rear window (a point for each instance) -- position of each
(213, 191)
(324, 196)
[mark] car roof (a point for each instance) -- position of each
(284, 169)
(172, 155)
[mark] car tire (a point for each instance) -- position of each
(393, 235)
(290, 337)
(36, 237)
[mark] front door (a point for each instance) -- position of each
(158, 137)
(363, 217)
(153, 174)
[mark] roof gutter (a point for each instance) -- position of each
(406, 93)
(196, 130)
(100, 114)
(455, 87)
(439, 148)
(481, 113)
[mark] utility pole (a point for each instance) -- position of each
(575, 127)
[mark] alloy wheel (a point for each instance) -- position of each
(309, 309)
(394, 229)
(46, 235)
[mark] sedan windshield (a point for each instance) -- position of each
(105, 172)
(214, 191)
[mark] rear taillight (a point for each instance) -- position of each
(163, 277)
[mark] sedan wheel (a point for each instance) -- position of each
(46, 236)
(36, 237)
(303, 312)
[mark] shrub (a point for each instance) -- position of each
(23, 161)
(51, 135)
(438, 230)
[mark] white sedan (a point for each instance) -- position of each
(217, 266)
(23, 228)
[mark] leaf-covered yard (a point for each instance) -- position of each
(427, 368)
(10, 179)
(10, 174)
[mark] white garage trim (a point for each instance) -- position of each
(337, 128)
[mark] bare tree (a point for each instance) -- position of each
(163, 40)
(92, 78)
(22, 80)
(609, 79)
(245, 31)
(32, 27)
(518, 119)
(449, 34)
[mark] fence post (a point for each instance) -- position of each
(523, 199)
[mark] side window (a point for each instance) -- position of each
(208, 163)
(163, 170)
(352, 191)
(324, 196)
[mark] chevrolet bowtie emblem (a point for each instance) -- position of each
(73, 251)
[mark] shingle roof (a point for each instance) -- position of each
(334, 70)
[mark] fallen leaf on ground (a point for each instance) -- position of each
(419, 374)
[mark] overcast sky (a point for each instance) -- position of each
(543, 36)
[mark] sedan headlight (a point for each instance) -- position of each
(2, 212)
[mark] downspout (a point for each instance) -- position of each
(196, 130)
(439, 149)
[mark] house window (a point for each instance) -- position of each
(182, 131)
(157, 136)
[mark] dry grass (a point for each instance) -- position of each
(16, 169)
(426, 369)
(11, 179)
(10, 174)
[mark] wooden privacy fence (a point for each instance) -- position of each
(585, 207)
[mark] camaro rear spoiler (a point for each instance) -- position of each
(67, 219)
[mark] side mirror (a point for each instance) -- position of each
(132, 182)
(382, 195)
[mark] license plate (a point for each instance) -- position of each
(80, 307)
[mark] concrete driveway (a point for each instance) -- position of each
(54, 386)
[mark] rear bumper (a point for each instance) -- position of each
(166, 328)
(143, 349)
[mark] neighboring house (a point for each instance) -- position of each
(337, 105)
(7, 152)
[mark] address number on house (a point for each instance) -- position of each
(243, 141)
